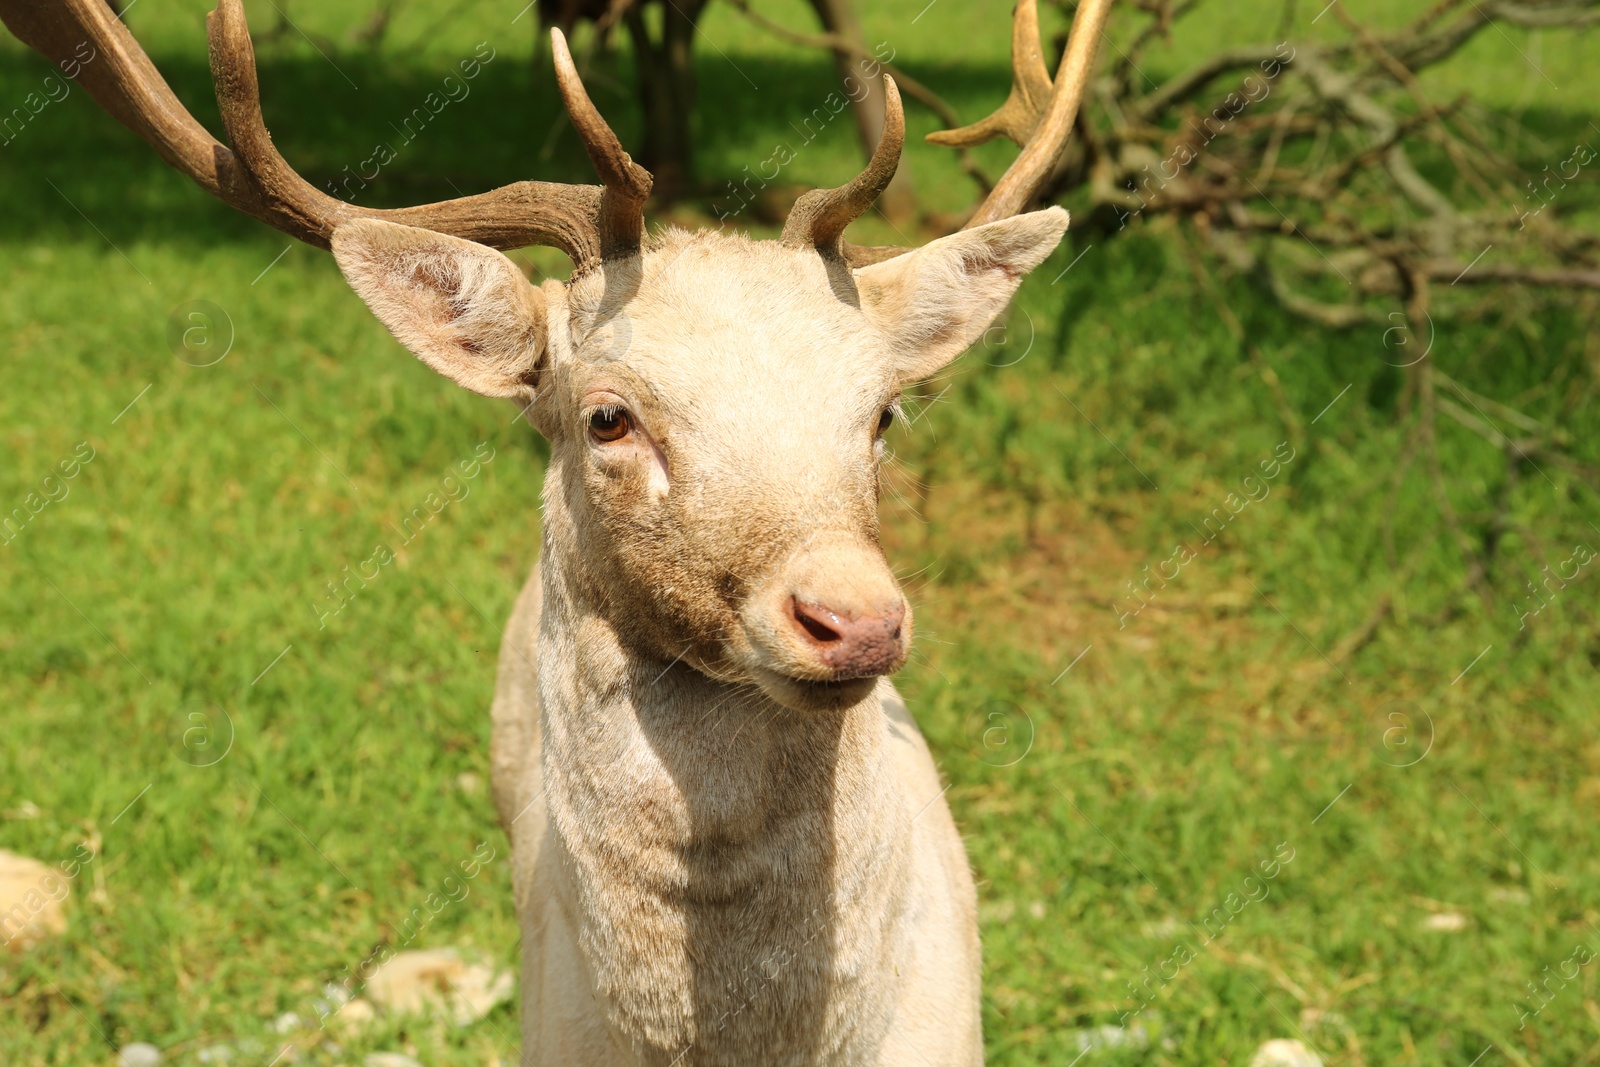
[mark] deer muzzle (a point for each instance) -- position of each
(827, 622)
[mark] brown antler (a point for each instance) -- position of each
(1030, 90)
(819, 217)
(586, 222)
(1038, 115)
(627, 185)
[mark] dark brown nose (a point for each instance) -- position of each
(854, 646)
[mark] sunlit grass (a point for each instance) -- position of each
(1123, 799)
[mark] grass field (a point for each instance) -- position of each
(269, 790)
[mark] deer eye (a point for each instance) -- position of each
(609, 423)
(885, 420)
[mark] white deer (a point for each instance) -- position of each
(731, 845)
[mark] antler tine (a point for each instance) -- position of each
(567, 217)
(1048, 135)
(1038, 115)
(626, 183)
(819, 217)
(1030, 89)
(300, 209)
(252, 176)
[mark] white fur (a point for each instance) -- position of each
(720, 857)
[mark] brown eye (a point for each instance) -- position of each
(885, 421)
(609, 423)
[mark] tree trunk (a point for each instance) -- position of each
(667, 92)
(838, 17)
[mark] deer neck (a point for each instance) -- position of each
(736, 871)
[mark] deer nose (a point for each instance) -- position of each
(853, 646)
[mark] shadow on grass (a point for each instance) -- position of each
(504, 125)
(335, 120)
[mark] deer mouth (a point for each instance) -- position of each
(812, 694)
(815, 658)
(826, 624)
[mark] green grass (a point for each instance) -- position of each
(1132, 794)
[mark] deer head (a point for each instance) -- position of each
(715, 405)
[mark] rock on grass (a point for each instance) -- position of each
(1282, 1053)
(138, 1054)
(389, 1059)
(438, 982)
(31, 901)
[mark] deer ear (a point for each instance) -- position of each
(465, 310)
(933, 303)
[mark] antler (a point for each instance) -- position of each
(627, 185)
(819, 217)
(1039, 113)
(587, 222)
(1038, 116)
(1030, 90)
